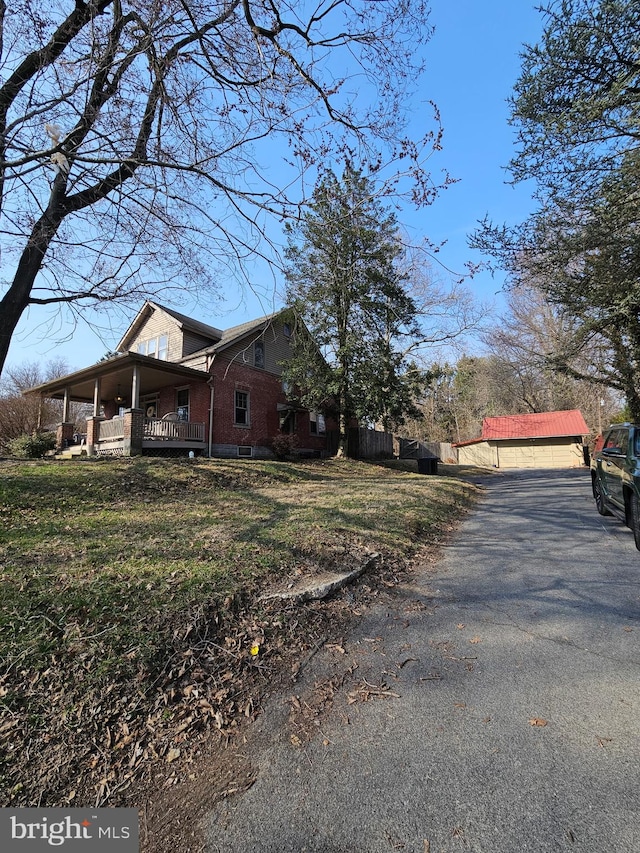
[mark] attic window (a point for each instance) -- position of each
(258, 354)
(155, 347)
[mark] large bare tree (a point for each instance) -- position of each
(142, 141)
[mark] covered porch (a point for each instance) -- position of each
(128, 395)
(116, 437)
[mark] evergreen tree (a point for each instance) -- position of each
(346, 285)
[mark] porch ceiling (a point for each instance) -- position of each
(118, 371)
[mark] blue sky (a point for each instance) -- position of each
(472, 64)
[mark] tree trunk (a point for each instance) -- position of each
(343, 440)
(10, 312)
(18, 297)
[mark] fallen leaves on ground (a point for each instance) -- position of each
(95, 742)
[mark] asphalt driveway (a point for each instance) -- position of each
(493, 705)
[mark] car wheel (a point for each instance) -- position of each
(599, 497)
(635, 519)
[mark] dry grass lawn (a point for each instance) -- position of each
(131, 623)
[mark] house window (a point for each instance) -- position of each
(182, 404)
(163, 347)
(316, 423)
(258, 354)
(288, 422)
(286, 328)
(157, 347)
(241, 417)
(245, 451)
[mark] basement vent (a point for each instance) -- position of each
(245, 450)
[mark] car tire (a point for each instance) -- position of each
(599, 498)
(635, 519)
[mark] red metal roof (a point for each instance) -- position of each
(537, 425)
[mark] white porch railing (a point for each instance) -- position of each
(111, 430)
(160, 430)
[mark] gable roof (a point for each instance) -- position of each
(193, 325)
(156, 373)
(536, 425)
(236, 333)
(529, 426)
(233, 334)
(186, 323)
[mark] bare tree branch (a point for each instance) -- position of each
(132, 130)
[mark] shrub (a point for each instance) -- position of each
(32, 446)
(283, 445)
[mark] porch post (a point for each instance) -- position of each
(64, 432)
(93, 423)
(65, 407)
(135, 387)
(133, 423)
(64, 435)
(93, 433)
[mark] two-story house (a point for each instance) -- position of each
(180, 385)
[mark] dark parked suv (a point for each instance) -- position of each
(615, 476)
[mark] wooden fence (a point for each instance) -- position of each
(374, 444)
(370, 444)
(409, 448)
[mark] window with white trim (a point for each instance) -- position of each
(288, 422)
(157, 347)
(241, 408)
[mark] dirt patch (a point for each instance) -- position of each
(217, 765)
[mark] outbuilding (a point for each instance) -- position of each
(538, 440)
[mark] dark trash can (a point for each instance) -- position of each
(428, 465)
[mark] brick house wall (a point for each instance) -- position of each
(265, 392)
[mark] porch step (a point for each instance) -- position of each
(71, 453)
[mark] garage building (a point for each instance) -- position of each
(539, 440)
